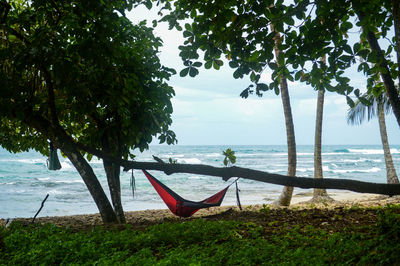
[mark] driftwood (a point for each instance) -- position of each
(41, 206)
(284, 180)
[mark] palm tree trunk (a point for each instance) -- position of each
(287, 192)
(320, 194)
(318, 173)
(390, 170)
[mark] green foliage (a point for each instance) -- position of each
(84, 68)
(240, 31)
(172, 161)
(206, 242)
(230, 157)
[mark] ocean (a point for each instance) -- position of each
(25, 179)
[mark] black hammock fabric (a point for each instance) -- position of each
(180, 206)
(52, 162)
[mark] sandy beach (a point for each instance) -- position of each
(148, 217)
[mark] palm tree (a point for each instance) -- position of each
(378, 107)
(287, 192)
(320, 194)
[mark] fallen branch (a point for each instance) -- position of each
(41, 206)
(284, 180)
(234, 171)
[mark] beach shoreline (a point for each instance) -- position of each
(154, 216)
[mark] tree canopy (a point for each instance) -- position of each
(240, 32)
(84, 68)
(81, 75)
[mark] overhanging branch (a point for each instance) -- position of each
(227, 172)
(234, 171)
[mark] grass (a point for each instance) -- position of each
(208, 242)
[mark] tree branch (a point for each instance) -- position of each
(227, 172)
(385, 74)
(284, 180)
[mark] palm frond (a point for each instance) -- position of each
(357, 114)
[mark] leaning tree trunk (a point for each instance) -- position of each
(92, 183)
(387, 79)
(59, 137)
(287, 192)
(396, 22)
(390, 169)
(320, 194)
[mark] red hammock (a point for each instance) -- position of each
(180, 206)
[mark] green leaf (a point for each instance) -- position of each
(238, 73)
(346, 25)
(217, 64)
(356, 47)
(148, 4)
(208, 64)
(197, 64)
(184, 72)
(276, 89)
(273, 65)
(233, 64)
(347, 49)
(350, 102)
(298, 75)
(193, 72)
(188, 27)
(262, 87)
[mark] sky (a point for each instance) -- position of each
(209, 111)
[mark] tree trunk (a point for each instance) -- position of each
(287, 192)
(396, 22)
(62, 141)
(320, 194)
(390, 169)
(390, 88)
(318, 173)
(113, 179)
(112, 146)
(92, 183)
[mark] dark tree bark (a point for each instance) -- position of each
(62, 141)
(114, 184)
(396, 21)
(390, 88)
(112, 145)
(303, 182)
(227, 172)
(92, 183)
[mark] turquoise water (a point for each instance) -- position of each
(25, 180)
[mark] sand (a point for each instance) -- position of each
(148, 217)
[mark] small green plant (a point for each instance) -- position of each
(230, 157)
(265, 209)
(172, 161)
